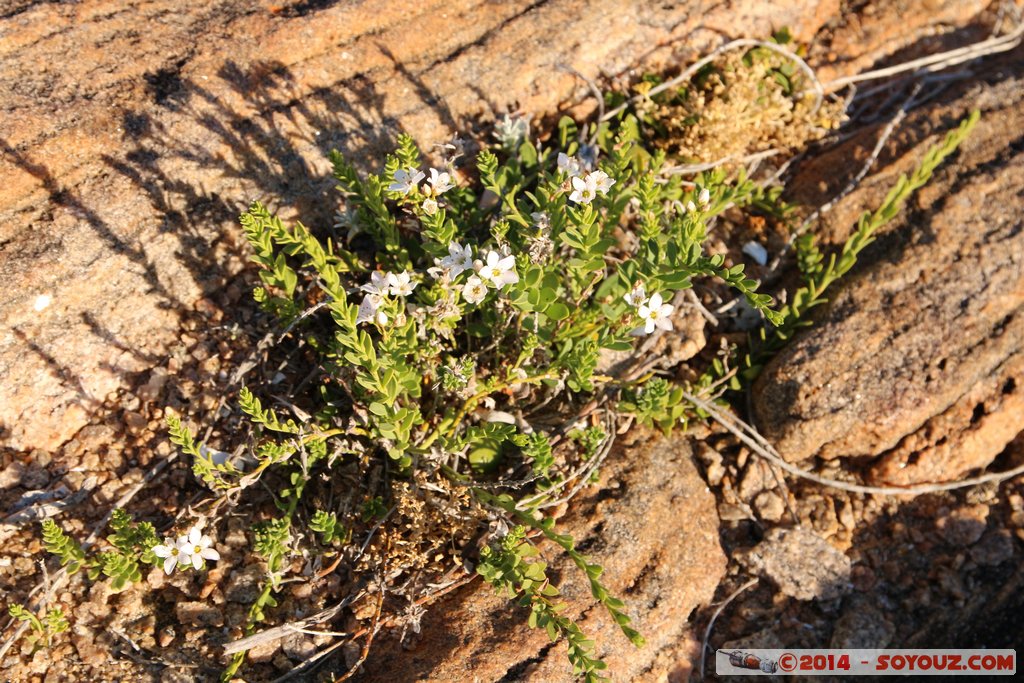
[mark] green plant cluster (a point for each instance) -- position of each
(457, 302)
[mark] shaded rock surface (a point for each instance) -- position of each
(802, 564)
(919, 356)
(651, 523)
(124, 168)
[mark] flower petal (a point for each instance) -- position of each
(194, 535)
(210, 554)
(169, 564)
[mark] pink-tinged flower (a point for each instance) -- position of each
(429, 206)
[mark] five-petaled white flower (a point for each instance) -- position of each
(459, 258)
(583, 189)
(637, 296)
(440, 182)
(406, 179)
(474, 290)
(429, 206)
(499, 271)
(654, 313)
(570, 165)
(172, 554)
(198, 547)
(369, 311)
(401, 284)
(602, 181)
(378, 284)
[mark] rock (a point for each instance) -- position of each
(154, 387)
(656, 534)
(963, 526)
(994, 548)
(264, 651)
(171, 137)
(11, 475)
(802, 564)
(862, 625)
(770, 506)
(198, 614)
(919, 353)
(244, 584)
(298, 647)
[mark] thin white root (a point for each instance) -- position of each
(714, 618)
(936, 62)
(757, 443)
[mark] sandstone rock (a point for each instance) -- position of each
(918, 355)
(198, 614)
(125, 167)
(656, 534)
(803, 565)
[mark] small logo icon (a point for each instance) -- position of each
(744, 660)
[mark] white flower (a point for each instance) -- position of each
(440, 182)
(570, 165)
(499, 271)
(704, 198)
(655, 314)
(474, 290)
(198, 547)
(637, 296)
(369, 311)
(584, 190)
(401, 284)
(459, 258)
(542, 220)
(757, 252)
(691, 207)
(602, 181)
(406, 180)
(172, 554)
(378, 284)
(429, 206)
